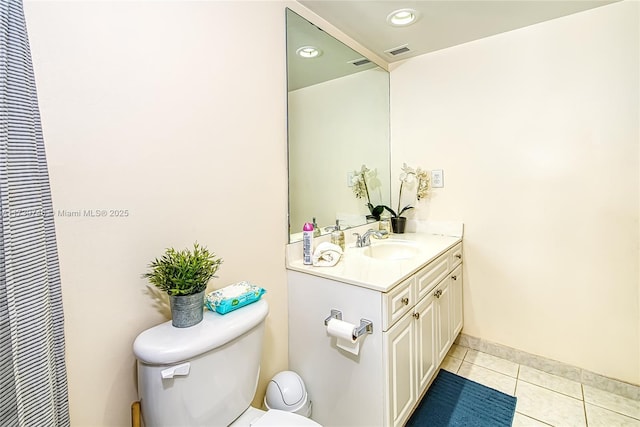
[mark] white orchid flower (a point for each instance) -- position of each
(407, 174)
(423, 183)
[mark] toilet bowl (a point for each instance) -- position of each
(207, 374)
(254, 417)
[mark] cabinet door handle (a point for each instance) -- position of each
(437, 293)
(454, 277)
(405, 301)
(459, 256)
(416, 315)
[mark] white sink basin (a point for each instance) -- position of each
(391, 249)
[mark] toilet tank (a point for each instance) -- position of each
(204, 375)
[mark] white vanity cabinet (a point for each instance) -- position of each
(415, 322)
(416, 345)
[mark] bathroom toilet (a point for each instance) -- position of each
(272, 418)
(206, 375)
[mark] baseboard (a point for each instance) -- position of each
(551, 366)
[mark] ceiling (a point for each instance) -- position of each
(337, 59)
(441, 24)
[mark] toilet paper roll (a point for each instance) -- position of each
(343, 331)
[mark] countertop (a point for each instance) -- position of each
(378, 274)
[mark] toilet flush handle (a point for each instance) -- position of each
(171, 372)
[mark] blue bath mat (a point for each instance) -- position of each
(456, 401)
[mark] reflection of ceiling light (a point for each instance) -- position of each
(402, 17)
(308, 51)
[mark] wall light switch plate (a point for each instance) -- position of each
(437, 178)
(350, 179)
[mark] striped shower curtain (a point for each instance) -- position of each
(33, 379)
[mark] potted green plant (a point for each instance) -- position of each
(398, 222)
(184, 276)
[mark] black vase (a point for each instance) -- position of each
(398, 224)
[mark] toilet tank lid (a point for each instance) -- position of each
(165, 343)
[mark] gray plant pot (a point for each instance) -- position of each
(186, 310)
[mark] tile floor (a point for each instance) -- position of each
(544, 399)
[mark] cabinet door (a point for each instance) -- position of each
(456, 301)
(399, 343)
(426, 355)
(443, 313)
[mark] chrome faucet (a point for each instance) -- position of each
(365, 239)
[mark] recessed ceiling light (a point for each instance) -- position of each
(308, 51)
(402, 17)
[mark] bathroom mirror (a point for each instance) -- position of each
(338, 121)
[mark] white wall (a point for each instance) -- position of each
(174, 111)
(537, 131)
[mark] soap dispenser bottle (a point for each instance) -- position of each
(316, 230)
(337, 236)
(385, 225)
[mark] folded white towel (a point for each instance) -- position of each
(326, 255)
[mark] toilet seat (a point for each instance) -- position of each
(277, 418)
(254, 417)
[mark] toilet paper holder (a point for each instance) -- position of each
(366, 326)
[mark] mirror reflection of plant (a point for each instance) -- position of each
(361, 188)
(408, 176)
